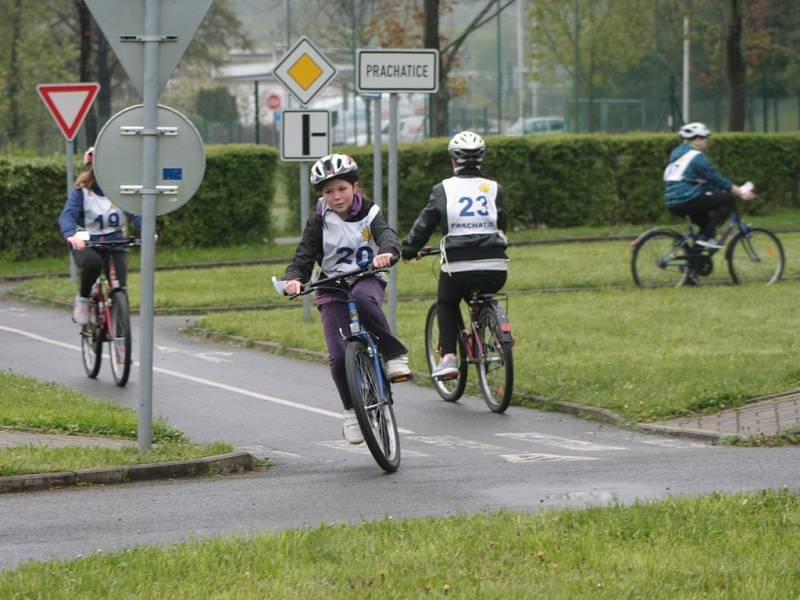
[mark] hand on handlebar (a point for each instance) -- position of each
(292, 287)
(383, 261)
(77, 243)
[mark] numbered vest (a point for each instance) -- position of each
(347, 245)
(471, 205)
(101, 216)
(675, 170)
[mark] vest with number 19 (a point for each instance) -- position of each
(100, 215)
(347, 245)
(471, 206)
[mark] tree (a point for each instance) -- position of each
(217, 105)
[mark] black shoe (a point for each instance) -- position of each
(689, 278)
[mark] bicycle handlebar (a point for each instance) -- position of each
(131, 241)
(428, 251)
(354, 276)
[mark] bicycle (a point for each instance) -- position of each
(370, 389)
(109, 320)
(661, 256)
(486, 343)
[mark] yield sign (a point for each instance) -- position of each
(68, 103)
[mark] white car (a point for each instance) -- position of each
(535, 125)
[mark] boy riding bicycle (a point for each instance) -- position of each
(346, 233)
(469, 208)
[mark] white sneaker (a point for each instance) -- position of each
(446, 369)
(350, 429)
(80, 313)
(397, 369)
(710, 243)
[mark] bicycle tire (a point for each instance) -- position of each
(755, 256)
(119, 338)
(449, 389)
(496, 364)
(376, 419)
(92, 343)
(654, 262)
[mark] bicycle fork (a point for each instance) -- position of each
(358, 332)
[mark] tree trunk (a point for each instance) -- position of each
(737, 73)
(104, 79)
(438, 108)
(85, 73)
(14, 129)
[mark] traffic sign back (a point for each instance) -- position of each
(68, 103)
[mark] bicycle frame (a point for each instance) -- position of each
(358, 332)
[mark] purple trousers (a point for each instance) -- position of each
(336, 323)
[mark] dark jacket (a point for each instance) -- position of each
(309, 250)
(463, 247)
(700, 177)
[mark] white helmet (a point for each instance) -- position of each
(333, 166)
(466, 147)
(88, 156)
(693, 130)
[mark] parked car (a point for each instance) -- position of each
(534, 125)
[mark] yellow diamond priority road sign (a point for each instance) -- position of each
(304, 71)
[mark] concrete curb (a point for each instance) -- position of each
(233, 461)
(683, 432)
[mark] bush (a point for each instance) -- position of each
(570, 180)
(232, 205)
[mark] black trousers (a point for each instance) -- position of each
(453, 287)
(91, 261)
(708, 211)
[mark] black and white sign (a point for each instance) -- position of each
(400, 70)
(305, 134)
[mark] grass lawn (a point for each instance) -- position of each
(721, 546)
(26, 404)
(646, 354)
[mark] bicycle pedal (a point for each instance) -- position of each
(447, 377)
(402, 378)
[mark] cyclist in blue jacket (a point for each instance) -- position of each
(87, 209)
(696, 189)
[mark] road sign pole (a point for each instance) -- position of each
(69, 150)
(149, 160)
(377, 154)
(304, 199)
(392, 202)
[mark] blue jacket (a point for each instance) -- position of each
(699, 177)
(72, 216)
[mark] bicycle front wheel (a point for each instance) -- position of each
(449, 389)
(658, 259)
(119, 341)
(373, 408)
(496, 364)
(92, 343)
(755, 256)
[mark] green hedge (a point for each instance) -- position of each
(232, 205)
(569, 180)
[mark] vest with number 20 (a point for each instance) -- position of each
(347, 245)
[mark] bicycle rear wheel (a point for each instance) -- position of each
(496, 364)
(449, 389)
(92, 343)
(756, 256)
(375, 416)
(658, 259)
(119, 341)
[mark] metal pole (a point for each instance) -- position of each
(258, 120)
(355, 76)
(377, 153)
(577, 64)
(764, 107)
(520, 61)
(304, 197)
(393, 205)
(69, 150)
(149, 166)
(499, 74)
(658, 65)
(686, 69)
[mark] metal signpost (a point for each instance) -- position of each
(69, 104)
(149, 37)
(395, 71)
(304, 72)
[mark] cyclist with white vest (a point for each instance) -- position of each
(469, 210)
(347, 232)
(694, 188)
(87, 209)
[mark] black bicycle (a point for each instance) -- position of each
(109, 320)
(367, 378)
(486, 343)
(663, 257)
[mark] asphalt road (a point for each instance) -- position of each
(457, 458)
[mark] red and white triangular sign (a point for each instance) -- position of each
(68, 103)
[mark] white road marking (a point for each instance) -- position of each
(559, 442)
(266, 452)
(200, 380)
(450, 441)
(542, 457)
(215, 357)
(346, 446)
(17, 312)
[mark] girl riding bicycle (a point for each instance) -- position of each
(469, 208)
(346, 233)
(88, 209)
